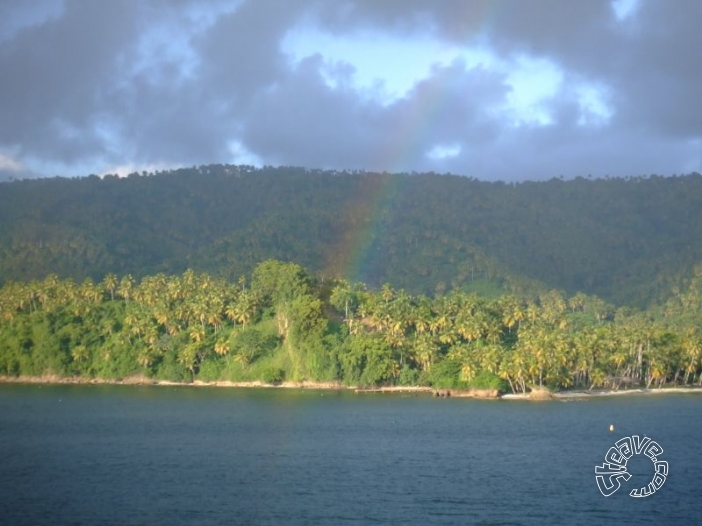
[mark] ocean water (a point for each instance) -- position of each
(114, 455)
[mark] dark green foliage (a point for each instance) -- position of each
(272, 375)
(366, 360)
(169, 368)
(501, 270)
(488, 380)
(279, 283)
(446, 375)
(253, 342)
(287, 327)
(625, 240)
(211, 369)
(408, 376)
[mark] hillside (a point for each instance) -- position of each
(625, 240)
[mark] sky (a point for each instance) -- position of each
(493, 89)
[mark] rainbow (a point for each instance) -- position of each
(353, 256)
(415, 121)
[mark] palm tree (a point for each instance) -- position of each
(79, 353)
(489, 357)
(109, 282)
(144, 358)
(512, 312)
(387, 293)
(221, 347)
(692, 348)
(90, 292)
(197, 333)
(188, 357)
(126, 287)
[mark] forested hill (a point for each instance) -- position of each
(625, 240)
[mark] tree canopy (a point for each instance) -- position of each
(237, 273)
(628, 241)
(288, 326)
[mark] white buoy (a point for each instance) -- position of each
(611, 428)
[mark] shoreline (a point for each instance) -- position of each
(152, 382)
(599, 393)
(335, 386)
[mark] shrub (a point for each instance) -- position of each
(446, 374)
(272, 375)
(488, 380)
(408, 376)
(211, 370)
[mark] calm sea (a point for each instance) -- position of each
(160, 455)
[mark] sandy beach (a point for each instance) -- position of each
(144, 380)
(542, 395)
(599, 393)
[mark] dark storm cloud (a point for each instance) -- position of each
(87, 86)
(55, 77)
(659, 76)
(241, 51)
(302, 119)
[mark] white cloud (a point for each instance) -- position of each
(526, 89)
(385, 66)
(240, 154)
(8, 164)
(624, 9)
(444, 151)
(595, 109)
(534, 82)
(124, 170)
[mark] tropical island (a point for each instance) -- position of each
(104, 280)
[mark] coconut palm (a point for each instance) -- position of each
(126, 287)
(221, 347)
(109, 283)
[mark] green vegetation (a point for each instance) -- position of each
(398, 279)
(628, 241)
(283, 324)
